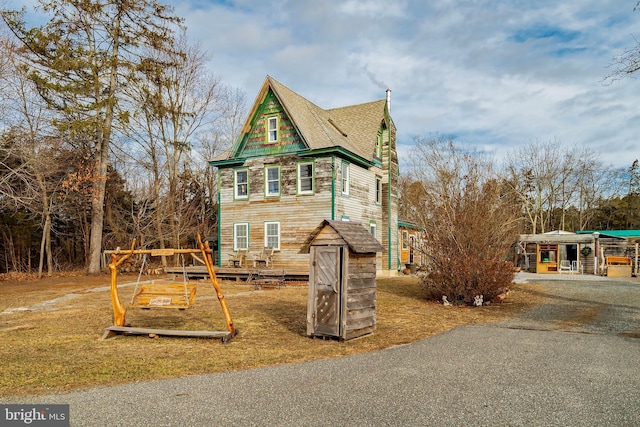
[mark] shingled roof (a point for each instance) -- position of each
(358, 238)
(353, 128)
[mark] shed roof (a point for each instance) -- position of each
(627, 234)
(357, 237)
(570, 238)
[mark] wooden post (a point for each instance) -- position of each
(206, 254)
(119, 310)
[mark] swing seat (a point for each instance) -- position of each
(164, 295)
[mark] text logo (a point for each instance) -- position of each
(34, 415)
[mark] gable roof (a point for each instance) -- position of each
(357, 237)
(353, 128)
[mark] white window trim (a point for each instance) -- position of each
(299, 184)
(345, 182)
(266, 240)
(378, 190)
(270, 130)
(235, 184)
(266, 181)
(373, 229)
(235, 235)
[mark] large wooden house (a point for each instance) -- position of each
(295, 165)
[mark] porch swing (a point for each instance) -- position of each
(164, 294)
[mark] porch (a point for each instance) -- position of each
(241, 274)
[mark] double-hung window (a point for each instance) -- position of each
(305, 178)
(272, 129)
(272, 234)
(378, 190)
(241, 184)
(345, 178)
(272, 181)
(240, 236)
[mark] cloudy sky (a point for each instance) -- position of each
(493, 74)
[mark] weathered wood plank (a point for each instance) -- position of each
(361, 323)
(127, 330)
(361, 304)
(355, 333)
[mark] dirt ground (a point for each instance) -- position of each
(50, 330)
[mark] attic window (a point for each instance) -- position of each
(379, 145)
(272, 129)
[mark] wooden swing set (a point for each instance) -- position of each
(162, 294)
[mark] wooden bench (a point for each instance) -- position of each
(618, 266)
(267, 278)
(618, 260)
(164, 295)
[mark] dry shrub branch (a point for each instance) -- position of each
(470, 219)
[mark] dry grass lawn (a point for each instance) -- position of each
(54, 347)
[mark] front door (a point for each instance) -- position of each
(326, 284)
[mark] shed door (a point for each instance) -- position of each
(327, 284)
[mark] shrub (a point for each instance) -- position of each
(470, 222)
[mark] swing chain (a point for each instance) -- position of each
(135, 290)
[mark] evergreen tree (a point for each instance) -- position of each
(81, 61)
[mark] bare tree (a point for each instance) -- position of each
(625, 63)
(537, 176)
(80, 61)
(173, 105)
(31, 173)
(551, 180)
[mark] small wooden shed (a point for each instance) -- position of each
(342, 280)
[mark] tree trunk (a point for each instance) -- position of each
(45, 247)
(97, 213)
(102, 158)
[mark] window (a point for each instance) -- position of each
(344, 218)
(345, 178)
(240, 236)
(373, 228)
(379, 145)
(378, 190)
(241, 179)
(272, 131)
(272, 181)
(305, 178)
(272, 235)
(405, 240)
(548, 253)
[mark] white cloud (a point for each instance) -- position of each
(497, 74)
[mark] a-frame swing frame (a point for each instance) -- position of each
(120, 311)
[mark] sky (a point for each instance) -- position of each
(494, 75)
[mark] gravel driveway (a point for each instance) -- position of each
(572, 361)
(584, 304)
